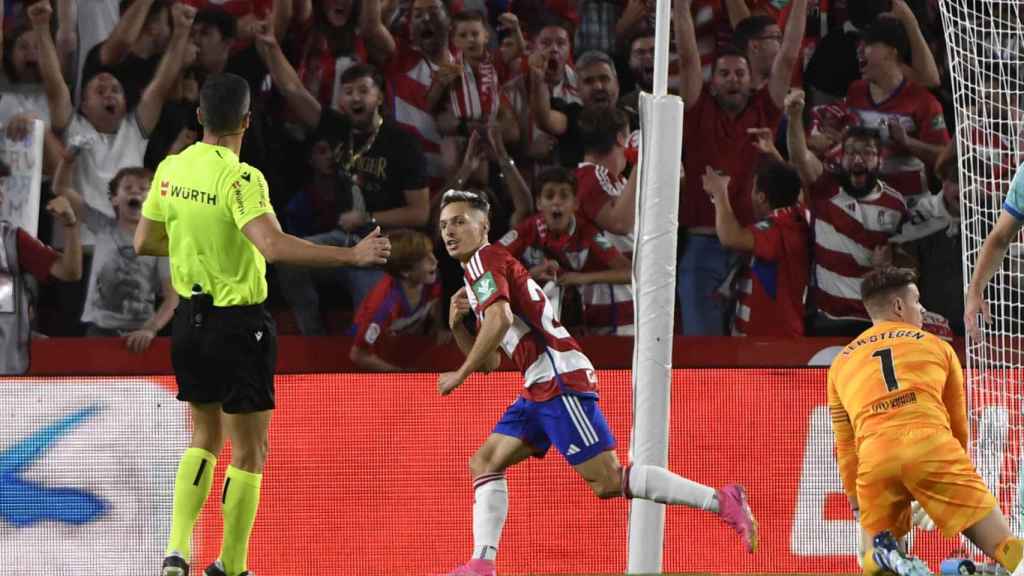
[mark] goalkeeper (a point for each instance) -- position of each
(896, 395)
(993, 251)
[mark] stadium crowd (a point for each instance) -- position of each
(816, 147)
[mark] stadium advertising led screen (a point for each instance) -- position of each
(369, 474)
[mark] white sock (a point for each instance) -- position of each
(490, 506)
(660, 485)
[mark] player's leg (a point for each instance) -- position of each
(992, 534)
(577, 427)
(945, 482)
(515, 438)
(192, 483)
(490, 489)
(240, 498)
(884, 504)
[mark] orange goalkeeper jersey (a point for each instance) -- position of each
(893, 375)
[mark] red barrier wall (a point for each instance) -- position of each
(307, 355)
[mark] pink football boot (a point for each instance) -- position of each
(734, 510)
(475, 567)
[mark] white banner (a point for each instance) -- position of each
(21, 188)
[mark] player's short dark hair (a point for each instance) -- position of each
(224, 102)
(600, 128)
(477, 201)
(127, 172)
(555, 175)
(891, 32)
(408, 247)
(360, 70)
(779, 182)
(749, 29)
(882, 282)
(863, 134)
(728, 51)
(220, 19)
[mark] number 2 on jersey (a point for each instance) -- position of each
(884, 356)
(548, 315)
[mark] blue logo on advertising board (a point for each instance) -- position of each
(25, 502)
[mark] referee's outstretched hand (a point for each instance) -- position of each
(374, 249)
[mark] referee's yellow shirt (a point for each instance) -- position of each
(204, 196)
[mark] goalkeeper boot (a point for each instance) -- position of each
(475, 567)
(174, 565)
(735, 511)
(889, 556)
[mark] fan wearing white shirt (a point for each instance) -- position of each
(109, 136)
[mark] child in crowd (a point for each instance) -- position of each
(561, 249)
(405, 301)
(123, 289)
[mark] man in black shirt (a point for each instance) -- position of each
(383, 166)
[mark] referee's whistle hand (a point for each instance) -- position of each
(372, 250)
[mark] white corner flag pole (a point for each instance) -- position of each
(654, 281)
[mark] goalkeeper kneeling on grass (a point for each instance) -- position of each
(896, 395)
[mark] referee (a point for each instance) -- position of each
(212, 215)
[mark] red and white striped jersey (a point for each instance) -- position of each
(608, 308)
(608, 305)
(550, 359)
(846, 232)
(409, 76)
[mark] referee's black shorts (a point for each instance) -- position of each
(229, 359)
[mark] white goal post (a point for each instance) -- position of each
(654, 280)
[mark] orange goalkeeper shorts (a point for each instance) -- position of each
(926, 464)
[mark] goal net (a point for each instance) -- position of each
(985, 44)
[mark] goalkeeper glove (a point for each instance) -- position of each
(920, 517)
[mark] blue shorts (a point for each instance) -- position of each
(574, 424)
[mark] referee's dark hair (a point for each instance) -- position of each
(224, 103)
